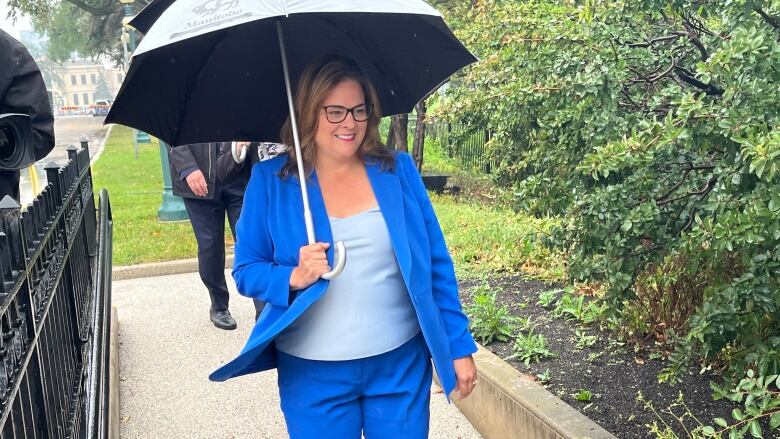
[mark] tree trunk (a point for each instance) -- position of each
(400, 131)
(391, 135)
(419, 135)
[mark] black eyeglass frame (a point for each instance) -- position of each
(348, 111)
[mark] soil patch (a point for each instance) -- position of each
(613, 373)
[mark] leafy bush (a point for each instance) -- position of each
(652, 127)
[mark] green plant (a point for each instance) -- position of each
(583, 395)
(548, 298)
(679, 413)
(489, 320)
(760, 398)
(530, 347)
(575, 306)
(584, 340)
(544, 377)
(593, 356)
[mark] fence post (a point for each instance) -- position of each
(11, 225)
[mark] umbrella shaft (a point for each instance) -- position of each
(294, 123)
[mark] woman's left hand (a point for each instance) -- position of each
(466, 375)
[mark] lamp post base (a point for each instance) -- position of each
(172, 208)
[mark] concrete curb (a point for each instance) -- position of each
(505, 404)
(161, 268)
(113, 378)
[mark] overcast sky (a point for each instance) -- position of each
(13, 28)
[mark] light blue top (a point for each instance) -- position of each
(366, 310)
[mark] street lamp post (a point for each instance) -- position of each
(172, 208)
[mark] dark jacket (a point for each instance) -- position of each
(22, 90)
(185, 159)
(227, 168)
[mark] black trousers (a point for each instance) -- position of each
(208, 222)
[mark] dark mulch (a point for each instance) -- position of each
(614, 377)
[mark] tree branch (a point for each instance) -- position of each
(688, 78)
(106, 9)
(673, 36)
(772, 21)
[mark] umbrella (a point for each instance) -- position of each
(221, 70)
(144, 20)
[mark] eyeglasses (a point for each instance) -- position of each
(337, 113)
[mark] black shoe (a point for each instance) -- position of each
(222, 319)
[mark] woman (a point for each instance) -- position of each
(353, 354)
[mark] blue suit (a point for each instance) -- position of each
(271, 231)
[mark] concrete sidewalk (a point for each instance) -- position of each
(168, 347)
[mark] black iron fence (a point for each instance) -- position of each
(467, 146)
(55, 263)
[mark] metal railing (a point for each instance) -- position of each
(468, 147)
(56, 290)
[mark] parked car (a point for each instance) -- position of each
(100, 107)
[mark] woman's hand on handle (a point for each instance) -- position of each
(312, 263)
(466, 375)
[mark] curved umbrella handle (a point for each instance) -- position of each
(340, 256)
(238, 158)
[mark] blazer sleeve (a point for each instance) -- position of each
(182, 159)
(227, 168)
(256, 273)
(443, 282)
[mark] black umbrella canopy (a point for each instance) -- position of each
(229, 85)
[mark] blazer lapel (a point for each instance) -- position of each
(389, 195)
(319, 214)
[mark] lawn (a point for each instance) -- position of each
(135, 190)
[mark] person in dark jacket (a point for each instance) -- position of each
(208, 200)
(23, 91)
(237, 167)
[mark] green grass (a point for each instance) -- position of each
(487, 239)
(135, 190)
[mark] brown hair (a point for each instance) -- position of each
(316, 81)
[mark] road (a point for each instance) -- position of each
(68, 130)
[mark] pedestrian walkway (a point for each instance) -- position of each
(168, 347)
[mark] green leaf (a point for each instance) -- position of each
(721, 422)
(737, 414)
(755, 429)
(774, 420)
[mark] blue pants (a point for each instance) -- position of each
(384, 396)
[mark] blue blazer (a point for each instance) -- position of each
(271, 231)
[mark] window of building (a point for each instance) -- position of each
(86, 98)
(83, 79)
(75, 99)
(72, 79)
(119, 78)
(93, 78)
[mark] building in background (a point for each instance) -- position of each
(82, 82)
(74, 85)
